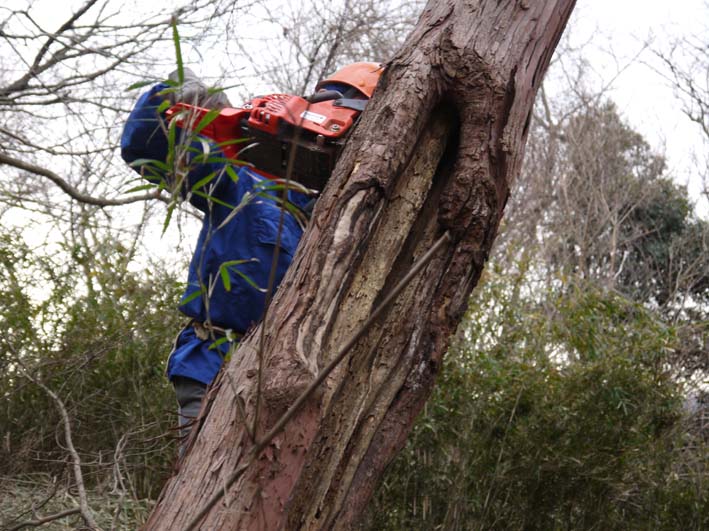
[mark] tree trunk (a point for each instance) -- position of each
(435, 152)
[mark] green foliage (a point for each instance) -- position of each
(598, 203)
(556, 413)
(98, 337)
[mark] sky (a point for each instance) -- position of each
(628, 27)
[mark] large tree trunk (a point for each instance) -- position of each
(434, 153)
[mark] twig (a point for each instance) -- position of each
(34, 507)
(46, 519)
(274, 267)
(84, 508)
(288, 415)
(69, 189)
(118, 477)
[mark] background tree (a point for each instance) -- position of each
(320, 36)
(685, 66)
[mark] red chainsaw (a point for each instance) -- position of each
(280, 126)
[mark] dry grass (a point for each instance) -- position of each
(32, 497)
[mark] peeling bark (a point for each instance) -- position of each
(436, 151)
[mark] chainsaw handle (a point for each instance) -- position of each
(325, 95)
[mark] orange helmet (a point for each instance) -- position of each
(362, 76)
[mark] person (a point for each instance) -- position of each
(238, 243)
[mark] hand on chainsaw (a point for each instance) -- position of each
(194, 92)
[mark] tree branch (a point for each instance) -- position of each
(70, 190)
(46, 519)
(84, 508)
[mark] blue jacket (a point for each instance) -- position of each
(247, 241)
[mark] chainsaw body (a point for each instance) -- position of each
(277, 128)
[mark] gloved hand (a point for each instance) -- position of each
(194, 92)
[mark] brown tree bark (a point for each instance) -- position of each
(435, 152)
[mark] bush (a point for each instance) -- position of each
(551, 414)
(99, 341)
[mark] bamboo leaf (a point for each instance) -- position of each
(207, 119)
(149, 162)
(163, 106)
(178, 52)
(199, 184)
(211, 198)
(224, 273)
(230, 263)
(171, 140)
(218, 342)
(141, 84)
(140, 188)
(192, 296)
(234, 141)
(168, 217)
(225, 267)
(249, 281)
(232, 173)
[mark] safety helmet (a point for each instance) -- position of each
(362, 76)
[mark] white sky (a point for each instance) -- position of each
(643, 97)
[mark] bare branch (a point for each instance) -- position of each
(46, 519)
(70, 190)
(84, 508)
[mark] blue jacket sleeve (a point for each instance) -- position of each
(144, 138)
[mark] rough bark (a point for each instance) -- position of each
(436, 151)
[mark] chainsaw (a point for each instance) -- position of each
(278, 127)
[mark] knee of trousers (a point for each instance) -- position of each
(189, 395)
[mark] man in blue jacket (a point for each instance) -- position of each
(239, 234)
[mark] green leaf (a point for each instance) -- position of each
(192, 296)
(140, 188)
(280, 184)
(230, 265)
(207, 119)
(234, 141)
(141, 84)
(249, 281)
(168, 217)
(232, 173)
(178, 52)
(199, 184)
(149, 162)
(218, 342)
(171, 140)
(213, 199)
(224, 273)
(163, 106)
(219, 160)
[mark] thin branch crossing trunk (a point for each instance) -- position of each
(435, 152)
